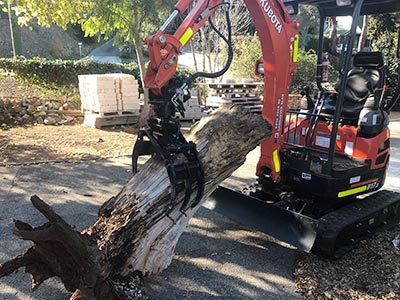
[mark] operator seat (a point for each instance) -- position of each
(366, 75)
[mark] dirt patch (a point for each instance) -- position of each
(12, 89)
(40, 143)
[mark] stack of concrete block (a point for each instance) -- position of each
(108, 94)
(98, 93)
(127, 91)
(109, 99)
(193, 110)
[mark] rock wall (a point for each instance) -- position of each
(36, 111)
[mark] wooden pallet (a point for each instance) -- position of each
(244, 94)
(233, 85)
(113, 113)
(99, 121)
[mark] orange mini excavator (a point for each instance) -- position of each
(319, 169)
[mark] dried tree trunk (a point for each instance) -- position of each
(132, 232)
(363, 35)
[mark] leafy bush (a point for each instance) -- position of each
(248, 51)
(383, 31)
(60, 74)
(306, 71)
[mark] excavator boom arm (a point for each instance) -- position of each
(278, 35)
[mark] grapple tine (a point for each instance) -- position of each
(166, 140)
(188, 193)
(200, 187)
(141, 148)
(174, 193)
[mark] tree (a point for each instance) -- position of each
(333, 37)
(309, 23)
(127, 21)
(382, 32)
(211, 44)
(363, 36)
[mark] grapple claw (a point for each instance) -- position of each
(141, 147)
(165, 139)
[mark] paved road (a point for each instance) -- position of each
(106, 53)
(214, 259)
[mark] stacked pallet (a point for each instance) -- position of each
(295, 101)
(193, 110)
(109, 99)
(230, 93)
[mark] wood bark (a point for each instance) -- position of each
(133, 233)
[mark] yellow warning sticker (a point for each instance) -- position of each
(186, 36)
(296, 48)
(277, 163)
(352, 191)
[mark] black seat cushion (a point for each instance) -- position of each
(350, 109)
(356, 89)
(355, 94)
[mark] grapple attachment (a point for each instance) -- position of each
(164, 138)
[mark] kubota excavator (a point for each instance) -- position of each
(319, 167)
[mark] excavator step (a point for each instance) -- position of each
(340, 231)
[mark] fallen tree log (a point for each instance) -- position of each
(133, 233)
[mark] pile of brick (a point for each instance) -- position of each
(109, 98)
(36, 111)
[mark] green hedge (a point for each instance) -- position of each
(60, 74)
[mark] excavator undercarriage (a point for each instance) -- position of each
(331, 234)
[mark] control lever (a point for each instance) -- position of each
(369, 87)
(384, 90)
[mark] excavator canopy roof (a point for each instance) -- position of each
(369, 7)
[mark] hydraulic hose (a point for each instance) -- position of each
(228, 41)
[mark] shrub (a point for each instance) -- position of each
(60, 74)
(248, 51)
(306, 71)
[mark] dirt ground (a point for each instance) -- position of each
(34, 144)
(370, 272)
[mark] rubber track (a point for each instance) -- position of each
(331, 226)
